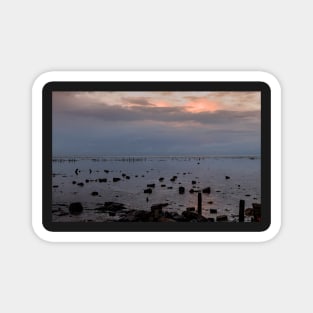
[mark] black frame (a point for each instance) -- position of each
(156, 226)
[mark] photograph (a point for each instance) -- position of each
(156, 156)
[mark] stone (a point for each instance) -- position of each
(227, 177)
(73, 182)
(102, 180)
(151, 185)
(80, 184)
(222, 218)
(75, 208)
(148, 190)
(191, 209)
(191, 190)
(161, 179)
(55, 186)
(193, 182)
(94, 193)
(181, 190)
(206, 190)
(213, 211)
(116, 179)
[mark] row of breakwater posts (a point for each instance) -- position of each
(254, 213)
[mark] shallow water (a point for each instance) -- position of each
(206, 171)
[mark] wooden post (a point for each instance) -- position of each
(241, 210)
(199, 203)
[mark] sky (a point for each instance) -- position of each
(156, 123)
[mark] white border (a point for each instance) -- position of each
(156, 236)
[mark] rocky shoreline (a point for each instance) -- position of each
(161, 212)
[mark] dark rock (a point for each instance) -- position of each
(75, 208)
(248, 195)
(227, 177)
(123, 175)
(116, 179)
(217, 191)
(191, 209)
(106, 171)
(207, 190)
(55, 186)
(87, 181)
(181, 190)
(213, 211)
(193, 182)
(127, 177)
(191, 190)
(94, 193)
(222, 218)
(249, 212)
(148, 190)
(188, 215)
(151, 185)
(102, 180)
(170, 187)
(210, 202)
(80, 184)
(161, 178)
(163, 185)
(111, 206)
(73, 182)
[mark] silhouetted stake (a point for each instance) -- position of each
(241, 210)
(199, 203)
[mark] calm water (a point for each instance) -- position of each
(206, 171)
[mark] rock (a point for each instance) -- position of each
(210, 202)
(206, 190)
(123, 175)
(111, 206)
(249, 212)
(163, 185)
(148, 190)
(73, 182)
(170, 187)
(191, 209)
(106, 171)
(55, 186)
(181, 190)
(151, 185)
(102, 180)
(227, 177)
(222, 218)
(87, 181)
(213, 211)
(188, 215)
(127, 177)
(217, 191)
(193, 182)
(161, 179)
(76, 208)
(191, 190)
(116, 179)
(248, 195)
(80, 184)
(94, 193)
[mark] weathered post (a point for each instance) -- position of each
(199, 203)
(241, 210)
